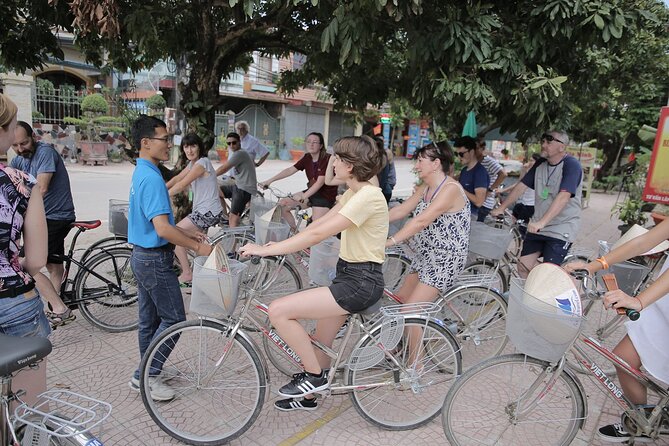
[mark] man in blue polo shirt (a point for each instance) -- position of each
(152, 233)
(473, 177)
(557, 180)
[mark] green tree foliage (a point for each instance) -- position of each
(94, 103)
(156, 102)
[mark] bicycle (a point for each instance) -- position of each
(60, 417)
(221, 379)
(104, 287)
(536, 398)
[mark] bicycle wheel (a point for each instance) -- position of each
(516, 244)
(110, 300)
(280, 279)
(410, 398)
(214, 403)
(488, 268)
(115, 241)
(395, 269)
(482, 406)
(476, 316)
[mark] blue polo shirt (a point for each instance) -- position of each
(473, 179)
(148, 199)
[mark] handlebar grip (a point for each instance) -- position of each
(633, 315)
(612, 284)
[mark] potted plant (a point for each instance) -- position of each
(630, 212)
(222, 148)
(298, 148)
(156, 104)
(93, 148)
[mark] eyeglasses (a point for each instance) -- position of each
(232, 143)
(550, 138)
(163, 139)
(461, 154)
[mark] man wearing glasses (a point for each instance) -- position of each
(557, 182)
(245, 179)
(473, 177)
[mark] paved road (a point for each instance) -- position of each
(99, 364)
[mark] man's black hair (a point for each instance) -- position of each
(467, 142)
(29, 130)
(144, 127)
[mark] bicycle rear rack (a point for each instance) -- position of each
(61, 413)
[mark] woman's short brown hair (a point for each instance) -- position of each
(7, 111)
(363, 154)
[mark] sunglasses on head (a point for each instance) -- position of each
(549, 138)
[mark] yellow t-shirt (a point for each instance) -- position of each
(366, 240)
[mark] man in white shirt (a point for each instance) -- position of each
(251, 144)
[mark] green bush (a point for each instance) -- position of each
(156, 102)
(75, 121)
(94, 103)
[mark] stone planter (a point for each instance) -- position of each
(94, 152)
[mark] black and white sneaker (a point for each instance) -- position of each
(290, 404)
(304, 384)
(616, 433)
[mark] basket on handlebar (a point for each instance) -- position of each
(323, 261)
(260, 205)
(118, 217)
(488, 242)
(215, 292)
(270, 231)
(537, 328)
(629, 275)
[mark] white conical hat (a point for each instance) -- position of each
(636, 231)
(553, 285)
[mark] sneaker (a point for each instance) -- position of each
(159, 390)
(616, 433)
(291, 404)
(304, 384)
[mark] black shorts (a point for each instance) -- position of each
(57, 231)
(357, 286)
(317, 200)
(552, 249)
(239, 198)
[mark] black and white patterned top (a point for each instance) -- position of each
(441, 248)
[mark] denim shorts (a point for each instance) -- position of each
(552, 249)
(357, 286)
(24, 316)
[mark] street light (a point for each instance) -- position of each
(97, 87)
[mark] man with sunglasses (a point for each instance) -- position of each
(557, 182)
(473, 176)
(246, 184)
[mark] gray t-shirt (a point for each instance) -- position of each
(548, 181)
(245, 178)
(58, 204)
(205, 189)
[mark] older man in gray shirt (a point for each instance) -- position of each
(246, 184)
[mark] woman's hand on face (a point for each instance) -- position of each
(619, 299)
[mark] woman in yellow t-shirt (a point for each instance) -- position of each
(362, 218)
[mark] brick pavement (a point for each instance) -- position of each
(99, 364)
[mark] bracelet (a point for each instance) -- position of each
(602, 261)
(391, 238)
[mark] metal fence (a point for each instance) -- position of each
(51, 106)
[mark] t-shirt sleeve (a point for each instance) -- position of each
(572, 173)
(481, 179)
(528, 179)
(46, 161)
(301, 164)
(154, 200)
(235, 158)
(360, 206)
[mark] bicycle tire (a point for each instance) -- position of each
(415, 400)
(476, 315)
(478, 409)
(213, 405)
(396, 267)
(516, 244)
(105, 307)
(114, 241)
(482, 267)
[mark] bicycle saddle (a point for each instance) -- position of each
(88, 224)
(17, 353)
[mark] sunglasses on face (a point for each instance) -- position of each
(461, 154)
(232, 143)
(550, 138)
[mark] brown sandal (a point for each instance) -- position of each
(58, 319)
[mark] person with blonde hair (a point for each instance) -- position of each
(361, 215)
(21, 309)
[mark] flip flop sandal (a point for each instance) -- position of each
(58, 319)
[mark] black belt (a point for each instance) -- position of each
(17, 291)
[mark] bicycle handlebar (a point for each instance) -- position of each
(584, 276)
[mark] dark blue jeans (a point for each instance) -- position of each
(159, 299)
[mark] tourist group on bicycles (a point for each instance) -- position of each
(348, 192)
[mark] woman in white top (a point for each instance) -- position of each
(200, 176)
(361, 215)
(646, 340)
